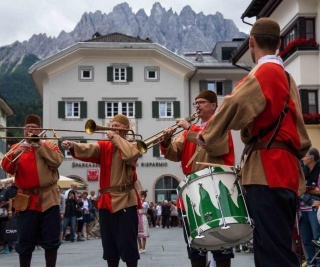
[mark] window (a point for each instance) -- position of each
(301, 28)
(108, 109)
(309, 101)
(86, 73)
(165, 189)
(114, 108)
(71, 109)
(227, 52)
(221, 88)
(151, 74)
(119, 73)
(165, 109)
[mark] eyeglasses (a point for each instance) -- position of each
(200, 103)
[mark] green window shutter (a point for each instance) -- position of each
(227, 87)
(129, 74)
(176, 109)
(61, 109)
(304, 100)
(101, 109)
(110, 74)
(156, 150)
(155, 109)
(83, 109)
(138, 109)
(203, 85)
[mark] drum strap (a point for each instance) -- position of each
(250, 147)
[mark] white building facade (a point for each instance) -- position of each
(143, 80)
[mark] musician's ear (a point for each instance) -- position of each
(214, 106)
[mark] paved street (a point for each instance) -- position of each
(165, 247)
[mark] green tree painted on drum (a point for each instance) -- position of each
(211, 214)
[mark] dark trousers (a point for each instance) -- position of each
(119, 233)
(273, 211)
(165, 221)
(38, 228)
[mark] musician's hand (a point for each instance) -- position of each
(201, 141)
(168, 133)
(183, 124)
(22, 148)
(67, 145)
(110, 134)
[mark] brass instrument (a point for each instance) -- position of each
(91, 127)
(143, 146)
(32, 139)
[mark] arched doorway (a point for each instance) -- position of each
(165, 188)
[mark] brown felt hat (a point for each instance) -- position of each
(209, 95)
(266, 26)
(33, 119)
(122, 119)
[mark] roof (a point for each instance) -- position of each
(118, 38)
(41, 71)
(260, 8)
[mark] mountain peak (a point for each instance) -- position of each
(180, 33)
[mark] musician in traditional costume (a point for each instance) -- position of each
(265, 106)
(35, 167)
(184, 148)
(118, 199)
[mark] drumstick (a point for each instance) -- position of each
(208, 164)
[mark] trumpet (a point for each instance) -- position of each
(33, 139)
(144, 145)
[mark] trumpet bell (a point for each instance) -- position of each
(90, 127)
(142, 147)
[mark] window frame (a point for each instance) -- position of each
(119, 73)
(148, 70)
(298, 30)
(81, 70)
(122, 107)
(166, 103)
(305, 100)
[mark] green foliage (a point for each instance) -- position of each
(19, 91)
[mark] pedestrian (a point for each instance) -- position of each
(118, 198)
(173, 215)
(5, 213)
(265, 106)
(184, 148)
(309, 201)
(34, 162)
(70, 218)
(143, 231)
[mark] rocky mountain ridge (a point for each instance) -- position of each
(184, 32)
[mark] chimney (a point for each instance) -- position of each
(199, 56)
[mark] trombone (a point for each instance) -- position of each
(33, 139)
(91, 127)
(144, 145)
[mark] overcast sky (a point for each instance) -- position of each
(20, 19)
